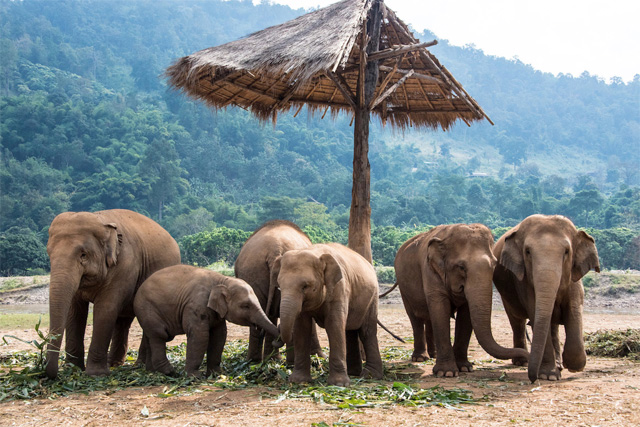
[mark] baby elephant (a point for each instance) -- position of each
(183, 299)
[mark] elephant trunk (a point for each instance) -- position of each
(290, 308)
(62, 288)
(546, 284)
(479, 297)
(260, 319)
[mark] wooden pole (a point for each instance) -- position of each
(360, 213)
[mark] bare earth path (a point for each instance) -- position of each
(606, 393)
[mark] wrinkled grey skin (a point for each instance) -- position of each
(254, 265)
(188, 300)
(101, 258)
(541, 262)
(449, 270)
(338, 288)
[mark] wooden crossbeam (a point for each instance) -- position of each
(343, 87)
(416, 75)
(399, 50)
(391, 90)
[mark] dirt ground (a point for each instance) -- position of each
(606, 393)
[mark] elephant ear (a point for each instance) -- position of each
(332, 270)
(511, 257)
(273, 284)
(435, 257)
(218, 300)
(112, 244)
(585, 256)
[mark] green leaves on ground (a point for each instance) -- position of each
(614, 343)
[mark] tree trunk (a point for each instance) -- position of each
(360, 213)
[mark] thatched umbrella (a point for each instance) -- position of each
(353, 56)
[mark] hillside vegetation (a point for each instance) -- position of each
(87, 123)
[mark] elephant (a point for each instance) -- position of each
(185, 299)
(541, 262)
(254, 265)
(338, 288)
(102, 258)
(440, 272)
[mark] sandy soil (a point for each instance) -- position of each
(606, 393)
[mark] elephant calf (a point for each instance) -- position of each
(183, 299)
(446, 270)
(338, 288)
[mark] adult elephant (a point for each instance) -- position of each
(446, 270)
(539, 275)
(254, 265)
(103, 258)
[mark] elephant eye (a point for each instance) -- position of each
(246, 306)
(83, 256)
(527, 251)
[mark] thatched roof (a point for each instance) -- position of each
(315, 60)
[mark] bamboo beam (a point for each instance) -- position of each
(248, 89)
(391, 90)
(395, 51)
(343, 87)
(386, 80)
(416, 75)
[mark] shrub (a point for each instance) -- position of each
(220, 244)
(21, 251)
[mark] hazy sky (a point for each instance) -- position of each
(557, 36)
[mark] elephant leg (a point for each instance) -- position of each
(439, 309)
(301, 343)
(316, 348)
(369, 337)
(254, 353)
(429, 338)
(217, 339)
(548, 368)
(76, 326)
(197, 344)
(143, 351)
(574, 358)
(335, 326)
(104, 322)
(157, 359)
(119, 341)
(419, 339)
(354, 358)
(462, 337)
(519, 328)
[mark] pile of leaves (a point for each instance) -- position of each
(614, 343)
(22, 377)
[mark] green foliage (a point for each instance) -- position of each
(218, 244)
(385, 242)
(386, 274)
(614, 343)
(616, 247)
(20, 252)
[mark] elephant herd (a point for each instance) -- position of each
(129, 266)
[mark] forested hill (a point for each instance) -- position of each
(87, 123)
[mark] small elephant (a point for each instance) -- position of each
(338, 288)
(184, 299)
(100, 257)
(446, 270)
(539, 277)
(254, 265)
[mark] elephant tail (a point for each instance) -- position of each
(395, 285)
(391, 333)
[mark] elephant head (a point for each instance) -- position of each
(549, 254)
(463, 262)
(304, 280)
(235, 301)
(81, 248)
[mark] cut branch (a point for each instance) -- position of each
(399, 50)
(391, 89)
(416, 75)
(343, 87)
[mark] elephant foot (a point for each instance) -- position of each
(300, 378)
(465, 366)
(447, 369)
(520, 361)
(340, 380)
(549, 376)
(419, 357)
(97, 371)
(370, 373)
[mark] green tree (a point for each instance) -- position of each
(21, 252)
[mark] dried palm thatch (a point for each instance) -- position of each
(316, 60)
